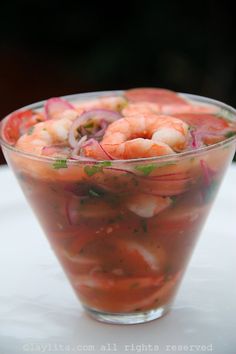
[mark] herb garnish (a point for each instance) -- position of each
(94, 193)
(144, 225)
(146, 169)
(60, 164)
(91, 170)
(89, 125)
(230, 134)
(174, 198)
(30, 130)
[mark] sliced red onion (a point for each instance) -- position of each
(94, 144)
(195, 140)
(76, 150)
(84, 160)
(101, 132)
(97, 115)
(178, 176)
(67, 212)
(55, 106)
(123, 170)
(206, 172)
(199, 136)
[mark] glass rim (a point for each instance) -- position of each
(179, 156)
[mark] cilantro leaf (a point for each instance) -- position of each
(30, 130)
(145, 169)
(89, 125)
(91, 170)
(94, 193)
(59, 164)
(144, 225)
(230, 134)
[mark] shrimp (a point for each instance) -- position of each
(146, 205)
(143, 136)
(43, 134)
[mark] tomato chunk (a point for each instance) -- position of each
(18, 123)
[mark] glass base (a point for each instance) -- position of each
(127, 318)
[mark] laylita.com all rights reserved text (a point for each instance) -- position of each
(115, 347)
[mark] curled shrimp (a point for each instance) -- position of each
(45, 134)
(144, 136)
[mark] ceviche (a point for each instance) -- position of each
(122, 183)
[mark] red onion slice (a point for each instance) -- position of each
(207, 173)
(76, 150)
(101, 153)
(196, 142)
(55, 106)
(102, 116)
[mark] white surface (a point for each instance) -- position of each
(39, 312)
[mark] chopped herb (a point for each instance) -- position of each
(230, 134)
(89, 125)
(105, 163)
(91, 170)
(60, 164)
(93, 193)
(30, 130)
(145, 169)
(174, 199)
(144, 225)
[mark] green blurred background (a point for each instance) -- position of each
(54, 48)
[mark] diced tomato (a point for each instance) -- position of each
(18, 123)
(208, 122)
(157, 95)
